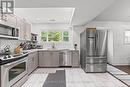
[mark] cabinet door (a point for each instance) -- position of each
(30, 64)
(21, 27)
(27, 31)
(4, 22)
(11, 20)
(35, 60)
(75, 58)
(45, 59)
(55, 59)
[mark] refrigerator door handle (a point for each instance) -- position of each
(96, 39)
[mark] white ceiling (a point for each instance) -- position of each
(118, 11)
(46, 15)
(85, 10)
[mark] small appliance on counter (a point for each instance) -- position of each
(39, 46)
(5, 51)
(33, 41)
(27, 45)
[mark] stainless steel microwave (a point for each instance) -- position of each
(9, 31)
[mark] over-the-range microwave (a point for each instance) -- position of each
(9, 31)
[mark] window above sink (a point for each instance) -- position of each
(54, 36)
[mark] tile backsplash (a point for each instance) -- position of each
(58, 45)
(13, 43)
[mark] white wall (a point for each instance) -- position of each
(38, 28)
(76, 35)
(120, 54)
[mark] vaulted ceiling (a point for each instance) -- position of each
(118, 11)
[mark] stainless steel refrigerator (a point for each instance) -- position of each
(93, 50)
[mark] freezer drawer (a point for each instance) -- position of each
(95, 67)
(96, 60)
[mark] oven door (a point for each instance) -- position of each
(12, 72)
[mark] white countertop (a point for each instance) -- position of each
(35, 50)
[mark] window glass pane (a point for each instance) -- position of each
(50, 36)
(58, 36)
(54, 36)
(65, 38)
(44, 36)
(66, 34)
(127, 33)
(44, 39)
(127, 36)
(16, 70)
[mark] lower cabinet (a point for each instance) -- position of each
(75, 58)
(51, 58)
(48, 59)
(32, 62)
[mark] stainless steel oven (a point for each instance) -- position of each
(13, 72)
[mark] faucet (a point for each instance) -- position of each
(53, 45)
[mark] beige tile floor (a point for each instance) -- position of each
(75, 77)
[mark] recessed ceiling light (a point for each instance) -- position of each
(53, 20)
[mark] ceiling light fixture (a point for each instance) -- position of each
(53, 20)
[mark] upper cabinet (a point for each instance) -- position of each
(19, 23)
(9, 20)
(4, 22)
(24, 29)
(27, 31)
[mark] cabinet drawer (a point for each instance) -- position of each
(96, 60)
(96, 67)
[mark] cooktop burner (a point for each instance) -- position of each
(10, 58)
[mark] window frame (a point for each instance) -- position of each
(62, 36)
(128, 42)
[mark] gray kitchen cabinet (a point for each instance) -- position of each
(11, 20)
(32, 62)
(48, 59)
(44, 59)
(75, 58)
(24, 29)
(27, 31)
(3, 20)
(35, 58)
(55, 59)
(21, 26)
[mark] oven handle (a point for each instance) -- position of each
(14, 63)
